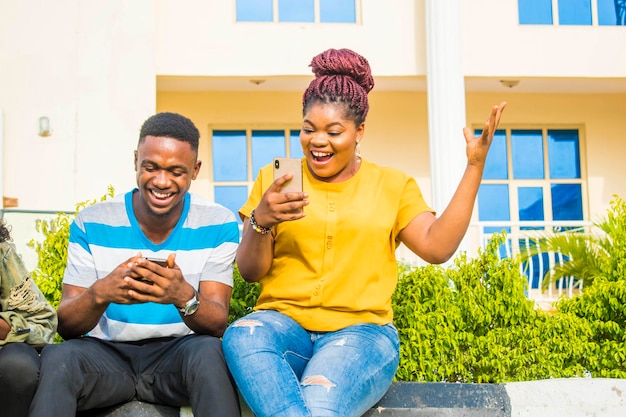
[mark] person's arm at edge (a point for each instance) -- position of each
(34, 321)
(211, 318)
(80, 309)
(436, 239)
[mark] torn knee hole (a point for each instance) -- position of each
(320, 380)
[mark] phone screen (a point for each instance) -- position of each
(285, 165)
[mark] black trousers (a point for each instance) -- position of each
(19, 374)
(89, 373)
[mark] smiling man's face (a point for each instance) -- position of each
(165, 168)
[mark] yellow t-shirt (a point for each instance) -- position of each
(336, 266)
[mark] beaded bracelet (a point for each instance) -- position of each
(257, 228)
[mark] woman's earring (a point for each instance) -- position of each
(357, 150)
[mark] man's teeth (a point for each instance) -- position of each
(161, 195)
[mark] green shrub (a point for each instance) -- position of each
(243, 297)
(52, 251)
(603, 307)
(473, 323)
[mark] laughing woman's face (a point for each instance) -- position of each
(329, 142)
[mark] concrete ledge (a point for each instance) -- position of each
(434, 399)
(134, 409)
(571, 397)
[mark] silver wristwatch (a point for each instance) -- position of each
(191, 306)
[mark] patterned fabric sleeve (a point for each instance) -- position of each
(22, 304)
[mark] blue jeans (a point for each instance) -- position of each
(283, 370)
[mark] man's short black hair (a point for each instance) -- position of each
(171, 125)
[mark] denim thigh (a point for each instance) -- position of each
(266, 353)
(351, 369)
(283, 370)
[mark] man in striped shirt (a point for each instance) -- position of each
(136, 328)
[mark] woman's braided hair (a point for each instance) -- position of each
(341, 76)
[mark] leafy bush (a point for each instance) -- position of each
(603, 307)
(473, 323)
(243, 298)
(52, 251)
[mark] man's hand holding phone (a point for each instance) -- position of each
(157, 280)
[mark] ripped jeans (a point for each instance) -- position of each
(283, 370)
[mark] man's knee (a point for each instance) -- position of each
(19, 365)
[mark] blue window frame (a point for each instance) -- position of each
(522, 191)
(612, 12)
(535, 12)
(497, 163)
(572, 12)
(527, 149)
(337, 11)
(238, 155)
(530, 203)
(564, 153)
(532, 178)
(254, 11)
(298, 11)
(266, 144)
(229, 150)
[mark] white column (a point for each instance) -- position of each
(446, 100)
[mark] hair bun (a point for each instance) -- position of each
(338, 62)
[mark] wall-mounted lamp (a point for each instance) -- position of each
(257, 81)
(509, 83)
(44, 127)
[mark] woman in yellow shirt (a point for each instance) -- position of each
(321, 341)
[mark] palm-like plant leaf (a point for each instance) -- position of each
(587, 254)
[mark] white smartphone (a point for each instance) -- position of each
(293, 165)
(159, 261)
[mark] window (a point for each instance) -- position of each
(532, 183)
(532, 175)
(238, 155)
(572, 12)
(612, 12)
(299, 11)
(535, 12)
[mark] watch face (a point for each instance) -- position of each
(192, 308)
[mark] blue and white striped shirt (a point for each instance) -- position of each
(106, 234)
